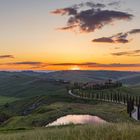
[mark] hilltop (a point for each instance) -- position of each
(126, 77)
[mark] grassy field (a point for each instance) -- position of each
(48, 113)
(85, 132)
(5, 99)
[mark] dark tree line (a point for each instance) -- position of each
(97, 86)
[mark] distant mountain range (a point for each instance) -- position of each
(126, 77)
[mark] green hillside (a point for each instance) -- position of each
(47, 113)
(32, 99)
(26, 84)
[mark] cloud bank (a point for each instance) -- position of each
(31, 64)
(95, 65)
(36, 65)
(6, 56)
(94, 17)
(127, 53)
(118, 38)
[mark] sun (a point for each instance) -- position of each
(75, 68)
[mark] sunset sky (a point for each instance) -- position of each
(70, 35)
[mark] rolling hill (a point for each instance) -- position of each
(29, 83)
(128, 78)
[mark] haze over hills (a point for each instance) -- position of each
(126, 77)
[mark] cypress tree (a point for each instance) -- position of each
(124, 99)
(118, 97)
(97, 96)
(111, 96)
(138, 112)
(139, 100)
(133, 99)
(121, 98)
(136, 100)
(127, 98)
(128, 106)
(115, 97)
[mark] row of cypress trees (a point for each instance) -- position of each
(118, 97)
(110, 96)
